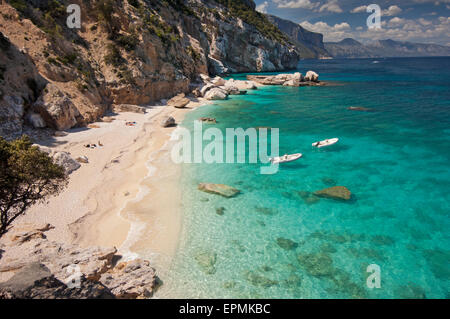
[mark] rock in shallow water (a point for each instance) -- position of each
(218, 189)
(286, 244)
(207, 262)
(335, 192)
(317, 264)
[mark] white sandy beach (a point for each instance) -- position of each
(128, 194)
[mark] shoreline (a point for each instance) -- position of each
(128, 195)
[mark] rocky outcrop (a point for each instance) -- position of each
(295, 79)
(63, 77)
(335, 192)
(128, 108)
(98, 270)
(218, 189)
(35, 281)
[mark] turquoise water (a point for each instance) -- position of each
(395, 161)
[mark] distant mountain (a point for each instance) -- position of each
(350, 48)
(309, 44)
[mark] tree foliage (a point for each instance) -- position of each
(27, 176)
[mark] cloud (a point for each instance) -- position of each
(436, 30)
(262, 7)
(359, 9)
(331, 6)
(331, 33)
(392, 11)
(294, 4)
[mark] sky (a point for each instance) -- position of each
(425, 21)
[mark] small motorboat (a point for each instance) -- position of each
(285, 158)
(324, 143)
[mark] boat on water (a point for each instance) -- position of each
(285, 158)
(324, 143)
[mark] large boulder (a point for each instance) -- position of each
(311, 76)
(218, 189)
(168, 121)
(56, 108)
(179, 101)
(216, 94)
(65, 160)
(335, 192)
(131, 279)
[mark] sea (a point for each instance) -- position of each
(277, 239)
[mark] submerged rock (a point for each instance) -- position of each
(410, 291)
(220, 211)
(308, 197)
(286, 244)
(208, 120)
(329, 181)
(265, 210)
(317, 264)
(328, 248)
(207, 262)
(218, 189)
(382, 240)
(259, 280)
(335, 192)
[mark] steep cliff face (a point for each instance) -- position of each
(308, 44)
(126, 52)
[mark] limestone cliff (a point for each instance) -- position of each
(126, 52)
(308, 44)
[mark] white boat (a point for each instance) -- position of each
(285, 158)
(324, 143)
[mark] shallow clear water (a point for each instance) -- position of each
(395, 161)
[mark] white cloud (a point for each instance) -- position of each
(331, 6)
(331, 33)
(262, 7)
(435, 30)
(359, 9)
(392, 11)
(294, 4)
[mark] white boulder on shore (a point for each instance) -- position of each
(295, 79)
(216, 94)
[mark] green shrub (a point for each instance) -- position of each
(113, 56)
(27, 176)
